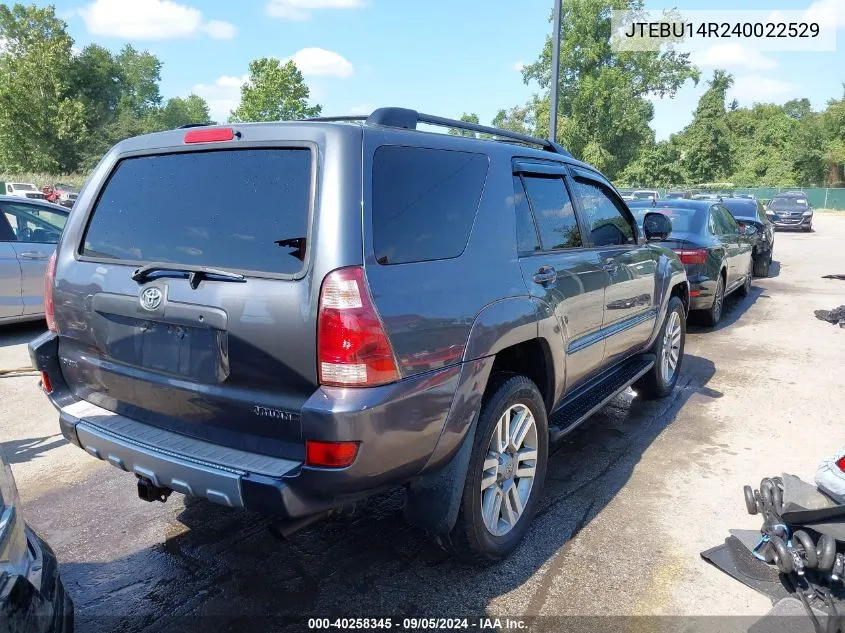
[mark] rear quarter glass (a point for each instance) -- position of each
(424, 202)
(237, 209)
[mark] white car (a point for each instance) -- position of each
(23, 190)
(646, 194)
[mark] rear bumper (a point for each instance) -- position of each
(37, 603)
(702, 292)
(398, 428)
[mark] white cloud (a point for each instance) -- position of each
(150, 20)
(518, 66)
(220, 30)
(299, 10)
(318, 62)
(749, 89)
(732, 56)
(827, 12)
(222, 96)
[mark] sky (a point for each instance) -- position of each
(441, 57)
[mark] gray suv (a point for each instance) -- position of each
(354, 306)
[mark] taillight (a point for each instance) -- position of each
(841, 463)
(46, 385)
(692, 255)
(49, 282)
(352, 347)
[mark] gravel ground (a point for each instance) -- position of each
(631, 500)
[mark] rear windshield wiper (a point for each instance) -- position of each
(195, 273)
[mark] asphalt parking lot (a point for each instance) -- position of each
(631, 499)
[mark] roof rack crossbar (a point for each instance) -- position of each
(330, 119)
(408, 119)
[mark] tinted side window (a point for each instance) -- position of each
(553, 211)
(609, 225)
(730, 221)
(424, 202)
(6, 232)
(526, 232)
(31, 224)
(725, 224)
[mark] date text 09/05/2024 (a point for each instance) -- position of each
(417, 624)
(723, 29)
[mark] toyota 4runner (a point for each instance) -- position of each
(356, 306)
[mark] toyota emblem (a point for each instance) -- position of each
(151, 298)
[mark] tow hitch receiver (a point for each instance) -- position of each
(148, 491)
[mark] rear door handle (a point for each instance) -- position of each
(545, 275)
(34, 255)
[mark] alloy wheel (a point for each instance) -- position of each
(671, 351)
(509, 470)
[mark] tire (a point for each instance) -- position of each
(777, 499)
(761, 266)
(750, 501)
(471, 540)
(826, 552)
(714, 314)
(662, 378)
(782, 557)
(745, 289)
(811, 558)
(807, 229)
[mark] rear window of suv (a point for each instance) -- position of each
(424, 202)
(244, 209)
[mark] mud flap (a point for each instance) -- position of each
(433, 500)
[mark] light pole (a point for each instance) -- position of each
(555, 72)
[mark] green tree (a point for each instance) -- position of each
(833, 124)
(707, 142)
(761, 140)
(659, 165)
(604, 111)
(465, 118)
(42, 122)
(180, 111)
(275, 91)
(140, 74)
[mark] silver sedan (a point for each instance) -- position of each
(29, 231)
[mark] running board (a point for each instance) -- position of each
(586, 400)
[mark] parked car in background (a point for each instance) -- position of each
(317, 331)
(32, 596)
(23, 190)
(29, 231)
(646, 194)
(791, 210)
(627, 194)
(713, 249)
(679, 195)
(749, 213)
(64, 195)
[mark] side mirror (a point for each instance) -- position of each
(656, 227)
(748, 230)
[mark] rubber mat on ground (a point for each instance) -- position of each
(735, 559)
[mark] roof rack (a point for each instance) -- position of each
(187, 125)
(407, 119)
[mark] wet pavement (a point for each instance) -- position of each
(631, 497)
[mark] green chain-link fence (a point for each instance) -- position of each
(819, 198)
